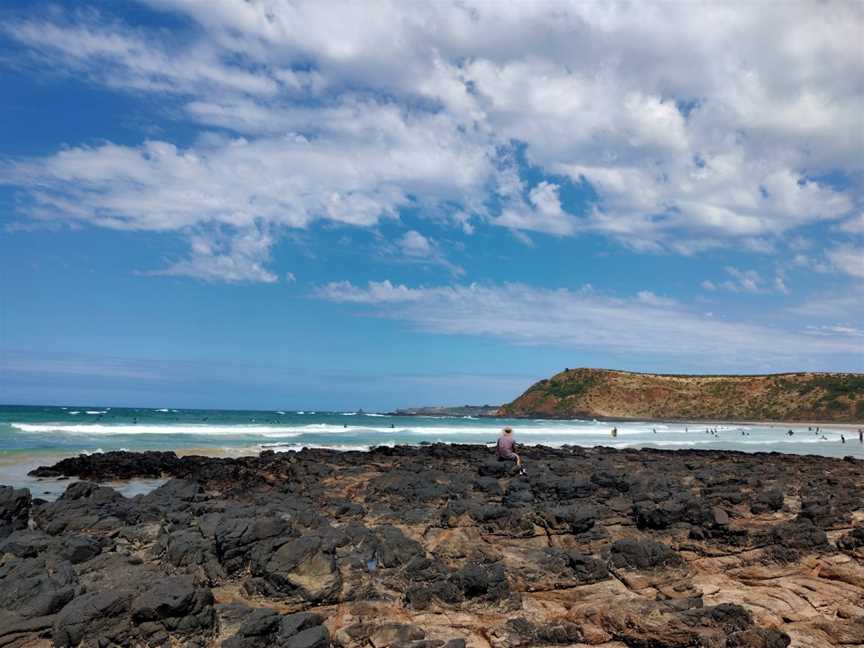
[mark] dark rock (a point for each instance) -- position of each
(173, 605)
(642, 554)
(478, 580)
(496, 469)
(34, 587)
(98, 617)
(304, 566)
(573, 518)
(758, 638)
(767, 500)
(798, 534)
(316, 637)
(14, 509)
(392, 549)
(662, 515)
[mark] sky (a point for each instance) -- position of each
(291, 204)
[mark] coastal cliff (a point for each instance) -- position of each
(604, 393)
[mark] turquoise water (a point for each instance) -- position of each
(28, 431)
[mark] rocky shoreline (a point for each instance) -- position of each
(440, 546)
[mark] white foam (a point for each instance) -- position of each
(212, 430)
(164, 409)
(95, 411)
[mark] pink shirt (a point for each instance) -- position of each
(505, 446)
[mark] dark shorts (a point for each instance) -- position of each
(510, 458)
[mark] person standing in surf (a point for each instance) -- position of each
(505, 449)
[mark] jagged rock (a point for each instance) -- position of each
(264, 628)
(14, 509)
(441, 540)
(642, 554)
(303, 565)
(96, 619)
(765, 501)
(852, 540)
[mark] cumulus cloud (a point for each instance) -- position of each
(238, 257)
(589, 321)
(691, 133)
(414, 244)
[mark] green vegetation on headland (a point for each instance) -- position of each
(605, 393)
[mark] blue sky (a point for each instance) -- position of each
(317, 205)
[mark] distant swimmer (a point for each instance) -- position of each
(614, 432)
(860, 436)
(654, 430)
(824, 438)
(392, 426)
(842, 439)
(790, 433)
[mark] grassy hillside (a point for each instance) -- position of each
(604, 393)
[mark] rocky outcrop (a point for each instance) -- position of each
(604, 393)
(432, 547)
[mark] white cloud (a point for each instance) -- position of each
(414, 247)
(525, 315)
(746, 281)
(854, 225)
(414, 244)
(848, 259)
(648, 297)
(693, 134)
(235, 258)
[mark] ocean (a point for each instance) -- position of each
(33, 435)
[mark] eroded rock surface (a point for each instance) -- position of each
(440, 547)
